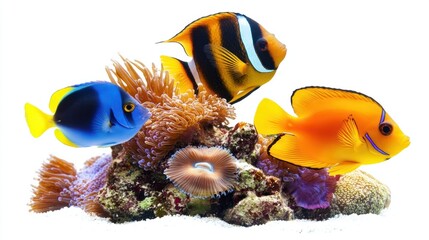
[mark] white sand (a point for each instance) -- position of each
(376, 47)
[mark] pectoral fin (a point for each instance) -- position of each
(225, 60)
(348, 136)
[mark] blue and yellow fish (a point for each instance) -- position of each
(336, 129)
(90, 114)
(232, 56)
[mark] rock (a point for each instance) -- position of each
(359, 192)
(241, 141)
(253, 179)
(254, 210)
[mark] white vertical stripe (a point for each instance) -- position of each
(194, 71)
(246, 38)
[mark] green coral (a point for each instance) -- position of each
(254, 210)
(147, 203)
(198, 206)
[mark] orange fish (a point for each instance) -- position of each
(232, 56)
(336, 129)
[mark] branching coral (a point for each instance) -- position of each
(175, 118)
(55, 176)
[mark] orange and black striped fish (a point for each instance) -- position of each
(232, 56)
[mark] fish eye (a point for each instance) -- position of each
(129, 107)
(386, 129)
(262, 44)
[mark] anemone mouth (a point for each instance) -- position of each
(202, 171)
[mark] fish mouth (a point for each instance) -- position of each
(407, 142)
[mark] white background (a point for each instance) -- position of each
(379, 48)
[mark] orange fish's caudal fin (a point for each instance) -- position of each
(286, 148)
(270, 118)
(38, 122)
(343, 168)
(181, 72)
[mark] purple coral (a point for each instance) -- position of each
(311, 188)
(270, 168)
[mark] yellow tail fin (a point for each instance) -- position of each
(270, 118)
(38, 122)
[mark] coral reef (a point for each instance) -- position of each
(177, 120)
(143, 178)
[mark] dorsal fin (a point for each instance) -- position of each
(184, 36)
(57, 97)
(311, 99)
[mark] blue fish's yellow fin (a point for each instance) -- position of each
(270, 118)
(343, 168)
(225, 60)
(57, 97)
(178, 71)
(38, 122)
(62, 138)
(348, 136)
(311, 99)
(286, 147)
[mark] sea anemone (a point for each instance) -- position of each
(147, 88)
(202, 171)
(176, 118)
(55, 176)
(61, 186)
